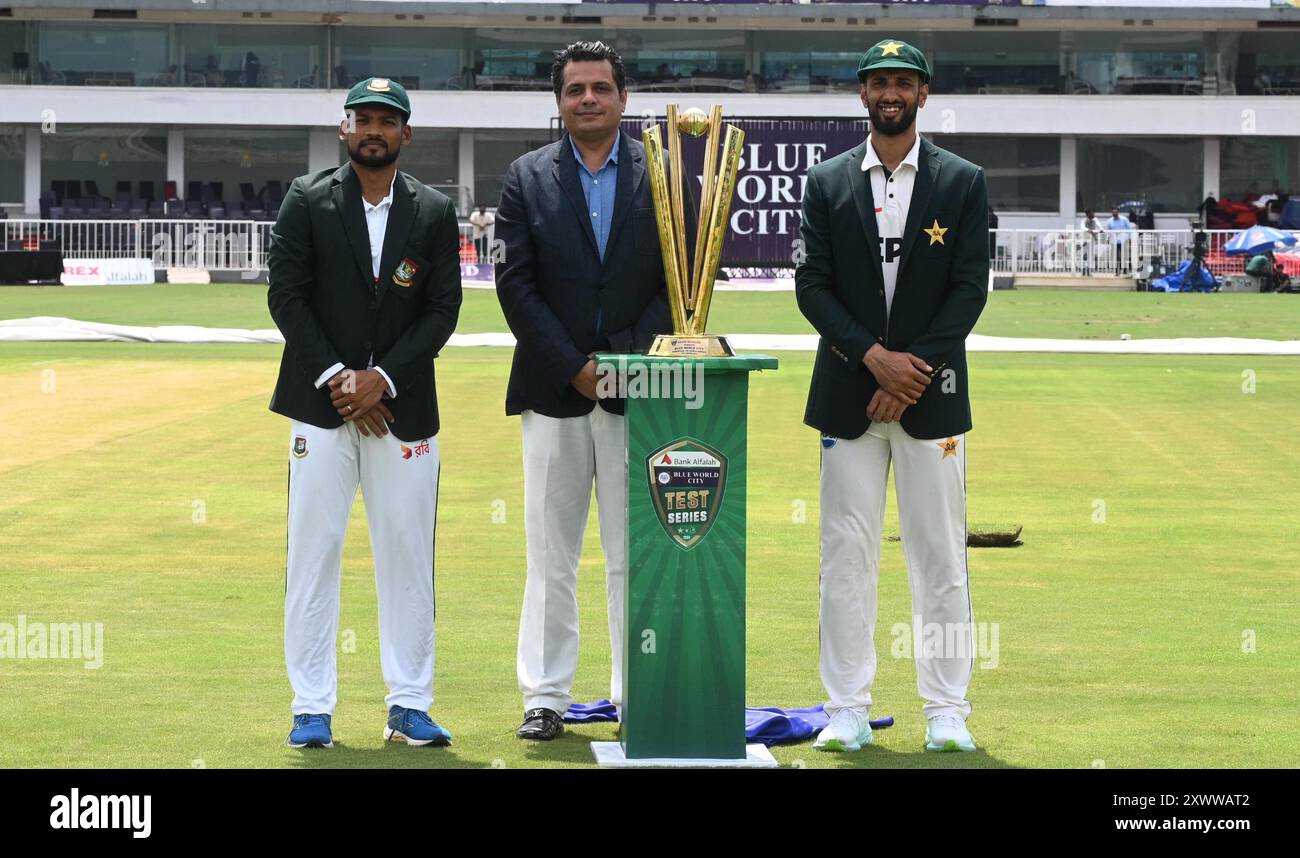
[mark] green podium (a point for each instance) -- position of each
(684, 653)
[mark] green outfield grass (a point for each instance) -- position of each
(1066, 315)
(1119, 640)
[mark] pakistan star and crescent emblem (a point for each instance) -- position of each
(935, 232)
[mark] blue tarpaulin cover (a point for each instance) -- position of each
(1174, 282)
(768, 725)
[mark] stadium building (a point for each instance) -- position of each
(108, 109)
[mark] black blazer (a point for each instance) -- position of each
(942, 287)
(560, 300)
(324, 299)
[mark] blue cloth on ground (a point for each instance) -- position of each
(1174, 282)
(768, 725)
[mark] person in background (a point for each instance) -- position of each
(1208, 209)
(993, 238)
(252, 70)
(1271, 274)
(482, 221)
(212, 72)
(1093, 226)
(1119, 226)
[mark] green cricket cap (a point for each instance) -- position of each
(379, 90)
(893, 54)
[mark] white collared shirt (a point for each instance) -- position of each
(893, 199)
(376, 227)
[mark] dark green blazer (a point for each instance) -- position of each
(942, 286)
(325, 300)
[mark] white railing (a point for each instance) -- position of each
(1129, 253)
(232, 245)
(236, 245)
(241, 245)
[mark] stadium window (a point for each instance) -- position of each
(106, 155)
(984, 63)
(415, 57)
(507, 59)
(493, 152)
(105, 53)
(432, 157)
(1125, 63)
(250, 55)
(656, 61)
(244, 160)
(1024, 173)
(1261, 63)
(682, 60)
(1165, 173)
(15, 62)
(816, 62)
(1252, 165)
(13, 142)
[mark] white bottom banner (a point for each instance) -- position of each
(102, 272)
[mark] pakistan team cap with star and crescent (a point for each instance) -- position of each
(893, 54)
(379, 90)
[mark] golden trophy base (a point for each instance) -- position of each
(690, 345)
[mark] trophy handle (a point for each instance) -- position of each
(654, 156)
(720, 211)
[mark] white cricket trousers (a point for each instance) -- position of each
(399, 481)
(930, 481)
(562, 455)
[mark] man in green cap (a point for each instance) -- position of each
(894, 276)
(365, 286)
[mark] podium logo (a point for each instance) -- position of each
(687, 482)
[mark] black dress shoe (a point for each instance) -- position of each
(540, 725)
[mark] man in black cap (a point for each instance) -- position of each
(365, 286)
(896, 238)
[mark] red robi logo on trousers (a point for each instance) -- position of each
(419, 449)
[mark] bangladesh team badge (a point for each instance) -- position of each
(687, 482)
(405, 273)
(299, 446)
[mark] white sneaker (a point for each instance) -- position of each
(948, 733)
(849, 730)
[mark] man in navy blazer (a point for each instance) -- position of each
(582, 274)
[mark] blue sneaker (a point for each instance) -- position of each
(414, 728)
(311, 731)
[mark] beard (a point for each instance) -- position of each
(374, 161)
(892, 127)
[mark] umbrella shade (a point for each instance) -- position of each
(1257, 239)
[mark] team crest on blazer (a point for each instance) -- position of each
(687, 482)
(405, 273)
(299, 446)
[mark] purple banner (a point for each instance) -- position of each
(764, 220)
(477, 272)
